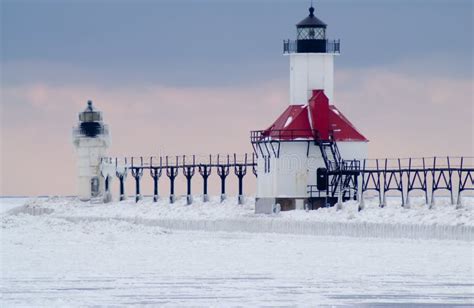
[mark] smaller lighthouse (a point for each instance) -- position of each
(91, 140)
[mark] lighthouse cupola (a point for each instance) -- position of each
(311, 34)
(311, 59)
(91, 121)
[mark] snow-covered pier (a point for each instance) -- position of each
(442, 221)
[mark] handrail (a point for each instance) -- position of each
(283, 134)
(332, 46)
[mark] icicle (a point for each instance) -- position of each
(459, 203)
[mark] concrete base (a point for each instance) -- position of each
(316, 203)
(264, 205)
(267, 205)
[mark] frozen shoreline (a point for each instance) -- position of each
(444, 222)
(60, 252)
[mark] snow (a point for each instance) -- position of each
(444, 221)
(288, 121)
(8, 203)
(62, 252)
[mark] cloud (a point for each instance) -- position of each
(406, 114)
(144, 120)
(401, 113)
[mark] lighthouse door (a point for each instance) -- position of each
(95, 186)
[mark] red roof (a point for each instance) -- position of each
(315, 119)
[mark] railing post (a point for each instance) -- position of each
(172, 173)
(121, 173)
(223, 172)
(254, 165)
(137, 172)
(205, 172)
(155, 173)
(107, 174)
(188, 171)
(460, 185)
(240, 170)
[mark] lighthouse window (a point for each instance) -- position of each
(311, 33)
(90, 117)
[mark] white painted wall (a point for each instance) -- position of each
(291, 173)
(89, 152)
(310, 71)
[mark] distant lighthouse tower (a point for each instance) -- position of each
(91, 140)
(311, 60)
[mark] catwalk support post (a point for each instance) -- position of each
(137, 173)
(205, 172)
(223, 172)
(155, 173)
(121, 173)
(172, 173)
(240, 171)
(188, 171)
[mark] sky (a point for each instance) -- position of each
(194, 77)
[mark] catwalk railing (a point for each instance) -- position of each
(427, 175)
(173, 166)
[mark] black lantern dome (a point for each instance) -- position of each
(90, 121)
(311, 21)
(311, 37)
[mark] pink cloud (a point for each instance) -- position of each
(401, 114)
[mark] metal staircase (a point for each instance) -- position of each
(341, 176)
(331, 155)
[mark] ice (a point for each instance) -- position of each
(8, 203)
(62, 252)
(443, 221)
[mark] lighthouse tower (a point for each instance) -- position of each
(312, 152)
(311, 60)
(91, 140)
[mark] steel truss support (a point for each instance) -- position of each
(172, 173)
(205, 171)
(137, 173)
(441, 179)
(254, 165)
(371, 180)
(121, 173)
(223, 172)
(395, 177)
(240, 171)
(188, 171)
(466, 181)
(417, 180)
(155, 173)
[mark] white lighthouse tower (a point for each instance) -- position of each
(91, 140)
(311, 153)
(311, 60)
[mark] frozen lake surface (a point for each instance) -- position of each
(47, 260)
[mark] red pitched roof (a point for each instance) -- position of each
(317, 118)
